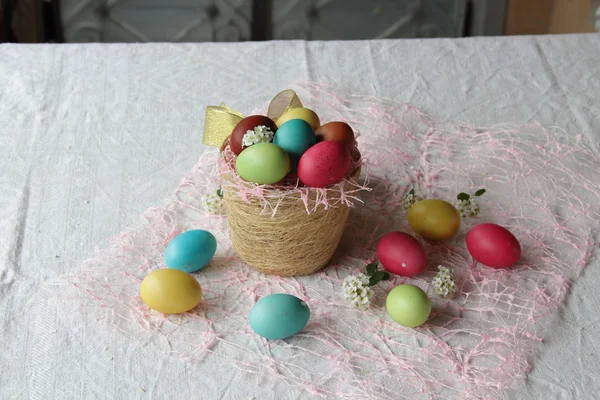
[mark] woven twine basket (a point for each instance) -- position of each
(291, 242)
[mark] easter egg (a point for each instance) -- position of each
(408, 305)
(434, 219)
(300, 113)
(263, 163)
(493, 245)
(401, 254)
(170, 291)
(295, 137)
(337, 131)
(191, 250)
(245, 125)
(278, 316)
(324, 164)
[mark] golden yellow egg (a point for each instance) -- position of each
(300, 113)
(434, 219)
(170, 291)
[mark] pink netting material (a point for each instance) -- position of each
(542, 184)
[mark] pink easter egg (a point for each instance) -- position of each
(401, 254)
(493, 245)
(324, 164)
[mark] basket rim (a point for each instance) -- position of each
(349, 178)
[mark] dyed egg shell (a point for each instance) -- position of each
(263, 163)
(324, 164)
(295, 137)
(300, 113)
(245, 125)
(408, 305)
(337, 131)
(191, 250)
(278, 316)
(170, 291)
(401, 254)
(493, 245)
(434, 219)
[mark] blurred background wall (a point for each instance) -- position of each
(242, 20)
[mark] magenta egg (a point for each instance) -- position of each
(401, 254)
(493, 245)
(324, 164)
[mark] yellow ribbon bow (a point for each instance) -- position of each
(220, 120)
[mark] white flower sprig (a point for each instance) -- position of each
(443, 283)
(410, 199)
(467, 205)
(213, 202)
(357, 288)
(259, 134)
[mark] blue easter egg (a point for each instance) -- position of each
(295, 137)
(191, 250)
(278, 316)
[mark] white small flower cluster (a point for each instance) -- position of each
(467, 208)
(410, 199)
(357, 290)
(213, 203)
(260, 134)
(443, 283)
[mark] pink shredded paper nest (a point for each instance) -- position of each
(542, 184)
(270, 196)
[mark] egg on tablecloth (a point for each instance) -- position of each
(191, 250)
(493, 245)
(170, 291)
(278, 316)
(401, 254)
(434, 219)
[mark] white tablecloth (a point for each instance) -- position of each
(92, 135)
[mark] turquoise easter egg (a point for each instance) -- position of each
(263, 163)
(191, 250)
(278, 316)
(295, 137)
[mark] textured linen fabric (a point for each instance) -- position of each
(92, 135)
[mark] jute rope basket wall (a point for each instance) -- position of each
(297, 234)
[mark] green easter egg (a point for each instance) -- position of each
(408, 305)
(263, 163)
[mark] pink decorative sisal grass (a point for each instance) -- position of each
(542, 184)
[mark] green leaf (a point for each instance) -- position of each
(220, 192)
(412, 191)
(386, 276)
(371, 268)
(463, 196)
(376, 277)
(479, 192)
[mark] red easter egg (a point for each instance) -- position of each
(493, 245)
(324, 164)
(245, 125)
(401, 254)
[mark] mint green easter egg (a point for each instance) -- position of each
(278, 316)
(263, 163)
(408, 305)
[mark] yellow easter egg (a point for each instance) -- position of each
(300, 113)
(170, 291)
(434, 219)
